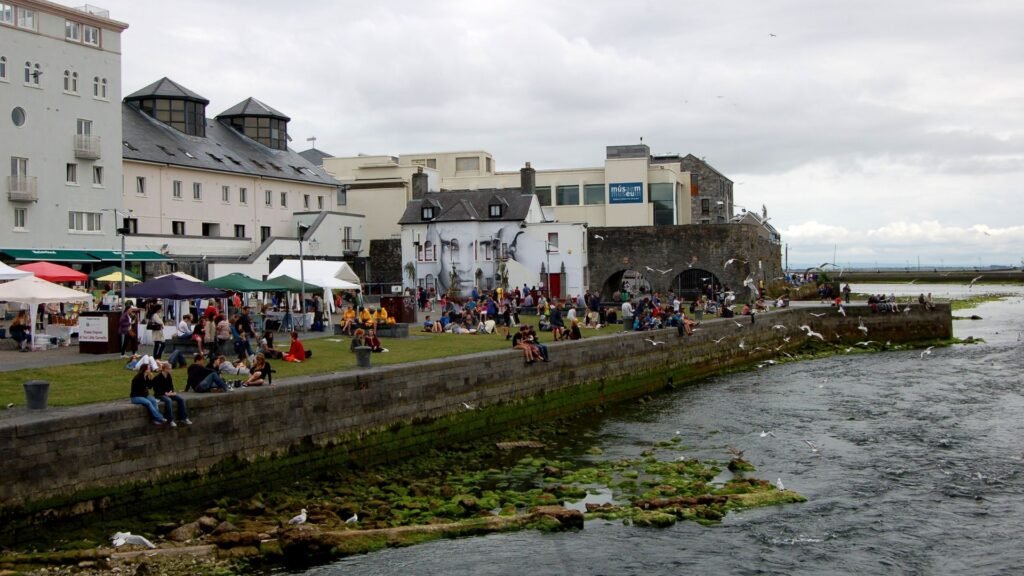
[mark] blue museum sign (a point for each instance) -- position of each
(626, 193)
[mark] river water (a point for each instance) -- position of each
(920, 469)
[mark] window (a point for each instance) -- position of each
(19, 167)
(6, 13)
(264, 233)
(428, 162)
(72, 31)
(95, 86)
(32, 73)
(91, 35)
(239, 230)
(18, 116)
(71, 171)
(593, 194)
(197, 190)
(552, 242)
(243, 196)
(178, 227)
(428, 251)
(705, 206)
(85, 221)
(83, 127)
(488, 164)
(67, 81)
(663, 197)
(467, 163)
(544, 195)
(211, 229)
(427, 213)
(97, 175)
(131, 226)
(26, 18)
(176, 189)
(103, 88)
(20, 217)
(567, 195)
(320, 202)
(494, 210)
(268, 198)
(342, 196)
(184, 116)
(271, 132)
(3, 67)
(305, 201)
(284, 199)
(140, 185)
(225, 194)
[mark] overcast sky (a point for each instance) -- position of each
(882, 131)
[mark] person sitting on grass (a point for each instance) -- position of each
(267, 346)
(574, 331)
(358, 340)
(428, 324)
(21, 331)
(260, 372)
(141, 383)
(163, 391)
(202, 378)
(373, 342)
(296, 352)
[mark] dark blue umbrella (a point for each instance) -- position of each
(174, 288)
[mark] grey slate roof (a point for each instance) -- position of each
(223, 149)
(166, 88)
(470, 206)
(314, 156)
(252, 107)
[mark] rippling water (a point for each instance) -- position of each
(919, 471)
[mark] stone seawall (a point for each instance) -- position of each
(70, 461)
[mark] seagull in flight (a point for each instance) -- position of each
(743, 345)
(467, 406)
(787, 339)
(812, 333)
(971, 285)
(814, 449)
(861, 326)
(749, 282)
(738, 325)
(817, 315)
(912, 281)
(842, 312)
(121, 538)
(766, 433)
(719, 341)
(927, 352)
(663, 272)
(654, 342)
(772, 35)
(649, 269)
(731, 260)
(866, 343)
(598, 236)
(778, 327)
(300, 519)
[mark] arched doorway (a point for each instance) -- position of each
(691, 282)
(630, 280)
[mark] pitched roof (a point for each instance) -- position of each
(314, 156)
(470, 206)
(166, 88)
(693, 158)
(223, 149)
(252, 107)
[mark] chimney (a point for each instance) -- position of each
(419, 184)
(527, 180)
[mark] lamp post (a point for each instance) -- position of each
(122, 232)
(302, 280)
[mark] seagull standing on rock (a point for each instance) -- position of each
(300, 519)
(354, 519)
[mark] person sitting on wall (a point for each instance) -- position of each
(521, 341)
(534, 340)
(183, 331)
(348, 321)
(163, 391)
(202, 378)
(574, 331)
(381, 318)
(141, 383)
(296, 352)
(365, 318)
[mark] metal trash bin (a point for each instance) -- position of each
(36, 393)
(363, 356)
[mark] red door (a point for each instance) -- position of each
(555, 286)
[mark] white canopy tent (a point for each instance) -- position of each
(9, 273)
(329, 274)
(34, 291)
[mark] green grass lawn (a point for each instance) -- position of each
(103, 381)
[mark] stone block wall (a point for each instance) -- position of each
(68, 461)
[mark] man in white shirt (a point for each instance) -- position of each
(627, 315)
(184, 329)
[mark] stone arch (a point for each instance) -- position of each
(635, 279)
(690, 282)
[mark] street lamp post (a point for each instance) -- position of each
(122, 231)
(302, 281)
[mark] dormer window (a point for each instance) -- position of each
(169, 103)
(427, 212)
(259, 122)
(494, 210)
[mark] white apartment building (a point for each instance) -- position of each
(60, 131)
(224, 189)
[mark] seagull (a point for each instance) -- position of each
(971, 285)
(814, 449)
(738, 325)
(654, 342)
(749, 282)
(765, 434)
(778, 484)
(848, 350)
(730, 261)
(927, 352)
(787, 339)
(693, 261)
(11, 404)
(743, 345)
(912, 281)
(817, 315)
(861, 326)
(772, 35)
(663, 272)
(353, 519)
(121, 538)
(649, 269)
(812, 333)
(719, 341)
(843, 312)
(735, 453)
(778, 327)
(866, 343)
(300, 519)
(598, 236)
(467, 406)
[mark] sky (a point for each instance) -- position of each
(874, 132)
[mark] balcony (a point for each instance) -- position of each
(351, 247)
(22, 189)
(87, 147)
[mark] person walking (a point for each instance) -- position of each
(155, 325)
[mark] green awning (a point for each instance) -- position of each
(292, 284)
(22, 255)
(129, 256)
(242, 283)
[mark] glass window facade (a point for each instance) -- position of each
(182, 115)
(567, 195)
(593, 194)
(544, 195)
(663, 197)
(271, 132)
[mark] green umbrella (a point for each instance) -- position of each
(241, 283)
